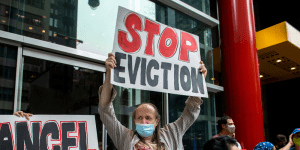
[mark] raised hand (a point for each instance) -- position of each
(203, 69)
(22, 114)
(110, 62)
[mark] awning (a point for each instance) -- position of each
(278, 53)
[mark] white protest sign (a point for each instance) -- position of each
(48, 132)
(153, 56)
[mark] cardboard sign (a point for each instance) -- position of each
(48, 132)
(153, 56)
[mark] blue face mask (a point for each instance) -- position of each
(145, 130)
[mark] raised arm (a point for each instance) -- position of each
(289, 144)
(107, 86)
(189, 115)
(117, 132)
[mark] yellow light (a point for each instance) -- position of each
(7, 12)
(293, 68)
(43, 31)
(54, 34)
(3, 21)
(30, 28)
(279, 60)
(66, 38)
(261, 76)
(44, 17)
(212, 78)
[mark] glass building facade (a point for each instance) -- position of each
(52, 54)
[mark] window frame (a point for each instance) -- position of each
(66, 55)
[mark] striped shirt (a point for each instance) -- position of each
(170, 135)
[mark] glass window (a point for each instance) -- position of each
(55, 22)
(68, 89)
(202, 5)
(93, 28)
(55, 88)
(202, 129)
(51, 22)
(8, 59)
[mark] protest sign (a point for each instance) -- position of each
(153, 56)
(48, 132)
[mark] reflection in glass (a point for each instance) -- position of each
(54, 88)
(202, 5)
(36, 18)
(202, 129)
(71, 23)
(8, 59)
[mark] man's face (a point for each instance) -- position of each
(145, 114)
(229, 122)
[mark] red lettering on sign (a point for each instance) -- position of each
(152, 28)
(168, 42)
(185, 48)
(132, 22)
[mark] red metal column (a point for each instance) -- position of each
(240, 70)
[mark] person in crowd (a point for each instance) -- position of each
(147, 133)
(294, 140)
(280, 141)
(226, 127)
(264, 146)
(223, 142)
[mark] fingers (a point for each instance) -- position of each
(19, 113)
(111, 61)
(202, 68)
(16, 113)
(27, 116)
(22, 114)
(111, 54)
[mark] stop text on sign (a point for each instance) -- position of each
(153, 56)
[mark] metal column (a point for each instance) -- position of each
(241, 71)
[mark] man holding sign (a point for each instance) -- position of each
(151, 56)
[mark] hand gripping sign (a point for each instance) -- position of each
(153, 56)
(48, 132)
